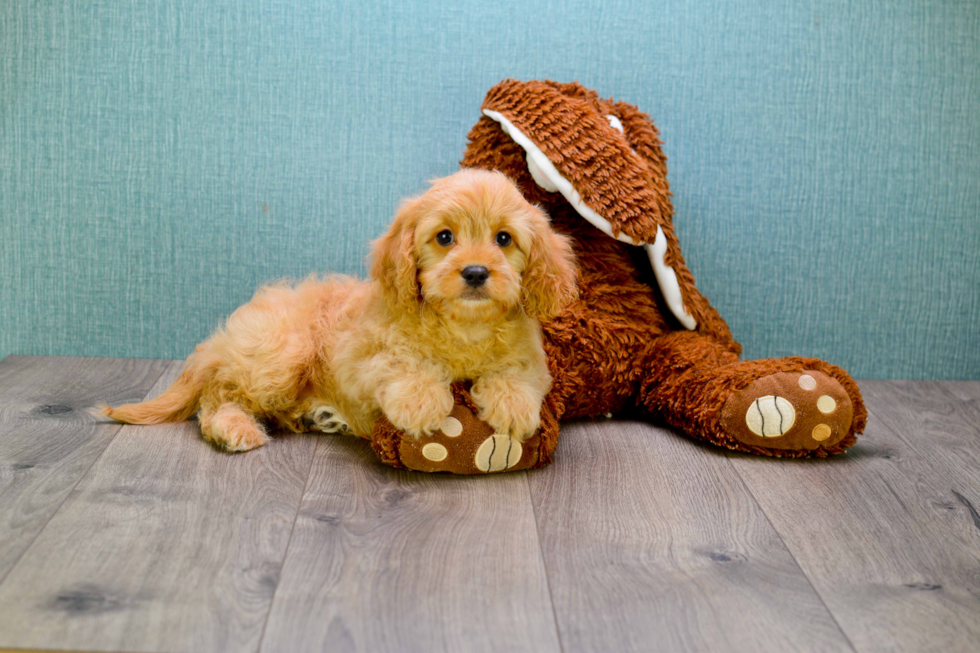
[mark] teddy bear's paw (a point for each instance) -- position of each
(789, 410)
(326, 419)
(464, 444)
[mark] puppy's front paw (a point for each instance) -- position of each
(508, 410)
(417, 409)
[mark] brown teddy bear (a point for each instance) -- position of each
(640, 336)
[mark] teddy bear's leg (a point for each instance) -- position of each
(777, 407)
(466, 445)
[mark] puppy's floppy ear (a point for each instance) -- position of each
(394, 263)
(549, 278)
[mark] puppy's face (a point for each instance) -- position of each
(472, 249)
(472, 241)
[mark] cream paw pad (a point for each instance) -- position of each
(497, 453)
(789, 410)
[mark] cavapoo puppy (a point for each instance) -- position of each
(457, 287)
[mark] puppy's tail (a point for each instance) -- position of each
(176, 404)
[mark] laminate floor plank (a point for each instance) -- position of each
(388, 560)
(165, 545)
(888, 533)
(968, 391)
(940, 425)
(48, 440)
(147, 539)
(652, 542)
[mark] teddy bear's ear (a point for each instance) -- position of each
(574, 144)
(644, 141)
(394, 263)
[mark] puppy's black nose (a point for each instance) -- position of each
(475, 275)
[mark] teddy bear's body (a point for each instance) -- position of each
(598, 344)
(640, 335)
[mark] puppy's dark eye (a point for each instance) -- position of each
(503, 239)
(444, 237)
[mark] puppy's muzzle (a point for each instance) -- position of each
(475, 275)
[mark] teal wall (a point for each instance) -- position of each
(159, 160)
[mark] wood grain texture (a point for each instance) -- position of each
(147, 539)
(47, 650)
(48, 441)
(165, 545)
(651, 542)
(383, 560)
(889, 533)
(968, 391)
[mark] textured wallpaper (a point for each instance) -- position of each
(160, 160)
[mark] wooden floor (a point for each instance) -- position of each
(129, 538)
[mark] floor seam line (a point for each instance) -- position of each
(796, 562)
(289, 542)
(119, 428)
(544, 564)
